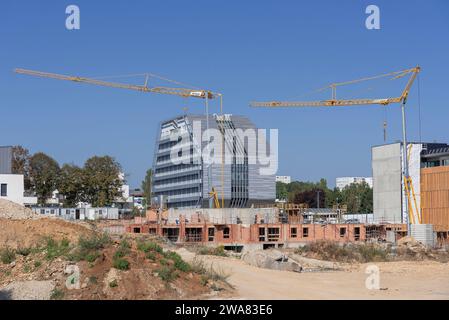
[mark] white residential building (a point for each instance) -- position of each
(343, 182)
(283, 179)
(12, 189)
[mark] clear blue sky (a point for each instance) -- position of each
(245, 49)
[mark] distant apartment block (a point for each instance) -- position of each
(343, 182)
(283, 179)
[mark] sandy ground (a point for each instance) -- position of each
(398, 280)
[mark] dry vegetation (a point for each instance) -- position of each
(370, 252)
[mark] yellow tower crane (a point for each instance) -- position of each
(411, 209)
(182, 92)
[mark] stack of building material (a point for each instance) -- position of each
(423, 233)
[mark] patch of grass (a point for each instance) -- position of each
(164, 262)
(179, 264)
(204, 280)
(113, 283)
(122, 250)
(94, 242)
(37, 264)
(208, 273)
(92, 256)
(57, 294)
(23, 251)
(147, 246)
(26, 268)
(55, 249)
(167, 274)
(332, 251)
(120, 263)
(213, 251)
(88, 247)
(150, 256)
(93, 280)
(372, 253)
(7, 255)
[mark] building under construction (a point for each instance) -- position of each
(239, 228)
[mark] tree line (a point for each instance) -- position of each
(358, 197)
(98, 182)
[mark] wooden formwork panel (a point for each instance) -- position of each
(435, 197)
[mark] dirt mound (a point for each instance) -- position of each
(12, 210)
(26, 233)
(410, 242)
(100, 267)
(271, 259)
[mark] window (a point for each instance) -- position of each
(273, 234)
(305, 232)
(261, 234)
(67, 211)
(4, 190)
(226, 233)
(52, 211)
(293, 232)
(357, 233)
(211, 234)
(342, 232)
(42, 211)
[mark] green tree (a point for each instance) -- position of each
(71, 184)
(44, 172)
(102, 181)
(21, 164)
(333, 196)
(310, 197)
(358, 197)
(281, 190)
(146, 186)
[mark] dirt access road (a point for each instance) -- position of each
(398, 280)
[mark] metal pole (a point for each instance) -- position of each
(208, 151)
(405, 164)
(222, 153)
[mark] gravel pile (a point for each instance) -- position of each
(12, 210)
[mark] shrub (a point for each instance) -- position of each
(217, 251)
(167, 274)
(147, 246)
(89, 247)
(7, 255)
(93, 280)
(94, 242)
(26, 268)
(37, 264)
(178, 262)
(113, 283)
(23, 251)
(91, 257)
(207, 273)
(121, 264)
(56, 249)
(328, 250)
(57, 294)
(150, 256)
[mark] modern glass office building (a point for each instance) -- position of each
(183, 179)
